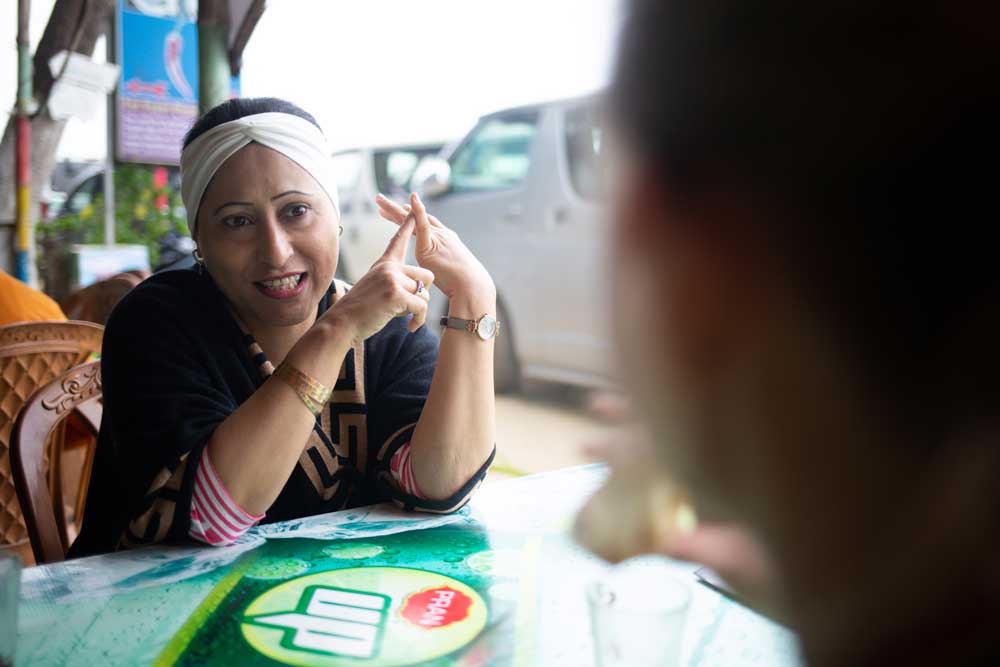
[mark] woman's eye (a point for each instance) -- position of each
(236, 221)
(297, 210)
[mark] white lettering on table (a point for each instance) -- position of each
(437, 608)
(335, 621)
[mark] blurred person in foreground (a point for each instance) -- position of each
(808, 313)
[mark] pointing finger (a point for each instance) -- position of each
(425, 243)
(390, 210)
(391, 217)
(396, 250)
(400, 218)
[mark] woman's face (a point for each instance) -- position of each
(268, 233)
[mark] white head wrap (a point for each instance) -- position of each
(292, 136)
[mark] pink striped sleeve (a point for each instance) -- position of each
(401, 467)
(216, 518)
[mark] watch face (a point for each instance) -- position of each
(487, 327)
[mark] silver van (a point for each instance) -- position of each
(525, 191)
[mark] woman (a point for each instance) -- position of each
(808, 314)
(255, 387)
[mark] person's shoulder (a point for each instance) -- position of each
(178, 280)
(22, 303)
(170, 296)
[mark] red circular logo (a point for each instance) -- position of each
(436, 607)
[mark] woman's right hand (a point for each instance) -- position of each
(388, 290)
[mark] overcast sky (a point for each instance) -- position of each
(387, 71)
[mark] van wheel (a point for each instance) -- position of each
(506, 371)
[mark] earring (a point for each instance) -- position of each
(341, 231)
(199, 260)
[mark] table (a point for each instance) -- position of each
(498, 583)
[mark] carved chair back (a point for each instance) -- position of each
(78, 390)
(95, 303)
(31, 355)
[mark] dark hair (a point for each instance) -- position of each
(238, 108)
(862, 126)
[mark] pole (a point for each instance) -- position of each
(22, 128)
(214, 73)
(109, 159)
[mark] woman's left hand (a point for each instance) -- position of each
(438, 249)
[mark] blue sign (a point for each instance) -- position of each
(161, 56)
(90, 263)
(157, 50)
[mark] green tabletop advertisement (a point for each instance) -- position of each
(412, 598)
(499, 583)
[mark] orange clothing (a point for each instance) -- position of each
(20, 303)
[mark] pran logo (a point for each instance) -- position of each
(332, 621)
(436, 607)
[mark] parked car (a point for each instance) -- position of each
(66, 176)
(88, 182)
(362, 173)
(525, 190)
(85, 184)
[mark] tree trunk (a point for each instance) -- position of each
(75, 25)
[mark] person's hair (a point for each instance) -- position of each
(240, 107)
(865, 128)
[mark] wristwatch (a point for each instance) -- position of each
(486, 327)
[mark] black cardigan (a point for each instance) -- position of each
(175, 364)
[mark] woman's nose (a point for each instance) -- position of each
(274, 248)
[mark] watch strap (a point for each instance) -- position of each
(459, 323)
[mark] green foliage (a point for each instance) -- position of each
(137, 218)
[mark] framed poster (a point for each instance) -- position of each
(156, 47)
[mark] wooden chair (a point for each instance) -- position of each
(32, 355)
(95, 303)
(75, 391)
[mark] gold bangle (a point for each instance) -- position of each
(313, 394)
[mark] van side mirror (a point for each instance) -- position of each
(432, 177)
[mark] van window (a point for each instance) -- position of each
(84, 194)
(394, 168)
(584, 135)
(496, 156)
